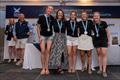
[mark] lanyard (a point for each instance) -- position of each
(48, 25)
(59, 25)
(97, 30)
(85, 25)
(73, 27)
(11, 28)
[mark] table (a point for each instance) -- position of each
(32, 58)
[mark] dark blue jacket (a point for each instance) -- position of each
(21, 30)
(9, 32)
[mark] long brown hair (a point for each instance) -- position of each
(74, 11)
(63, 18)
(84, 11)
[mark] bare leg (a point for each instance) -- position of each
(49, 43)
(82, 55)
(69, 58)
(104, 58)
(42, 45)
(18, 52)
(99, 58)
(104, 55)
(89, 55)
(21, 52)
(10, 53)
(14, 53)
(22, 55)
(74, 58)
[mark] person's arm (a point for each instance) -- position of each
(6, 30)
(108, 35)
(30, 30)
(92, 30)
(108, 32)
(78, 31)
(39, 22)
(66, 28)
(14, 33)
(38, 31)
(53, 27)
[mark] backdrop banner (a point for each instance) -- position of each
(110, 14)
(35, 11)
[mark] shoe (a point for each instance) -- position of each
(90, 71)
(19, 62)
(9, 60)
(60, 71)
(73, 71)
(99, 72)
(42, 72)
(69, 70)
(83, 69)
(15, 60)
(104, 74)
(47, 72)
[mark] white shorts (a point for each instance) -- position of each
(11, 43)
(85, 42)
(21, 43)
(72, 41)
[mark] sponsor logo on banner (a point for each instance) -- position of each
(16, 11)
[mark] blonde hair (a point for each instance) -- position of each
(84, 11)
(74, 11)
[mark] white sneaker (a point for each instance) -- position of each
(15, 60)
(9, 60)
(99, 72)
(104, 74)
(19, 62)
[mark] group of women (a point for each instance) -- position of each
(60, 38)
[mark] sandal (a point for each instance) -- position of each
(60, 71)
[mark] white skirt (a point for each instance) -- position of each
(85, 42)
(11, 42)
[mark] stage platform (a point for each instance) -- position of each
(9, 71)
